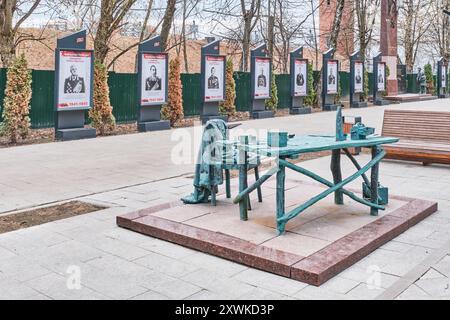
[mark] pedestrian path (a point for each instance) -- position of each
(89, 257)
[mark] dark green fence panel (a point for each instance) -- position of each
(2, 90)
(344, 80)
(243, 91)
(123, 96)
(370, 83)
(411, 83)
(41, 111)
(192, 95)
(284, 90)
(42, 100)
(413, 86)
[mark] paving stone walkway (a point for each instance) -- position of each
(89, 257)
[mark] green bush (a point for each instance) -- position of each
(311, 99)
(429, 76)
(272, 102)
(16, 120)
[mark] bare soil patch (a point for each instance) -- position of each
(39, 216)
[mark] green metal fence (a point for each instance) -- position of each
(42, 99)
(344, 80)
(192, 96)
(123, 94)
(2, 90)
(413, 86)
(243, 91)
(283, 82)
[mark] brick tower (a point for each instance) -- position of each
(388, 42)
(327, 12)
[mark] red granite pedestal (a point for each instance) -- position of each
(319, 244)
(410, 97)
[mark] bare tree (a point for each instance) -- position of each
(366, 12)
(250, 16)
(438, 35)
(77, 14)
(414, 24)
(289, 27)
(112, 14)
(188, 7)
(235, 21)
(167, 23)
(336, 27)
(10, 35)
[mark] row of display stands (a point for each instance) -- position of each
(75, 75)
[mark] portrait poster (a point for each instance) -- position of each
(381, 76)
(359, 77)
(444, 76)
(74, 80)
(153, 79)
(214, 78)
(301, 78)
(332, 77)
(262, 78)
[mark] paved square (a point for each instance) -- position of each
(414, 265)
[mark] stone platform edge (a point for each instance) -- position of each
(315, 269)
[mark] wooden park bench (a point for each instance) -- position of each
(424, 135)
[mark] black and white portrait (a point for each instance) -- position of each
(153, 79)
(74, 83)
(331, 77)
(300, 78)
(381, 77)
(262, 80)
(74, 75)
(213, 80)
(358, 77)
(444, 76)
(153, 82)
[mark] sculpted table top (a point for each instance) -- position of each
(306, 144)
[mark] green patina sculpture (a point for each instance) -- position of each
(374, 196)
(217, 153)
(361, 132)
(422, 81)
(208, 169)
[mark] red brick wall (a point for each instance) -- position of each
(327, 12)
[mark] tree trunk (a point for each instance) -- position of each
(167, 23)
(270, 34)
(183, 34)
(101, 47)
(335, 30)
(409, 37)
(7, 50)
(246, 40)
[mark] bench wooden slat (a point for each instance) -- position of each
(425, 135)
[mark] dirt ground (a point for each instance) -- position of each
(36, 217)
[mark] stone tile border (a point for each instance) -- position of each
(315, 269)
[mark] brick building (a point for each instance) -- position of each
(327, 12)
